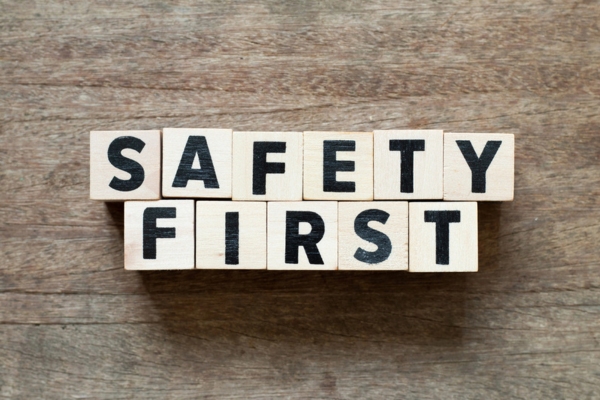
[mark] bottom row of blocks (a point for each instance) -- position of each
(306, 235)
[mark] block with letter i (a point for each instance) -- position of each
(125, 165)
(302, 235)
(267, 166)
(373, 235)
(231, 235)
(338, 165)
(408, 164)
(196, 163)
(443, 237)
(479, 166)
(159, 234)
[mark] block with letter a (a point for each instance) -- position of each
(159, 234)
(443, 237)
(302, 235)
(479, 166)
(125, 165)
(231, 235)
(196, 163)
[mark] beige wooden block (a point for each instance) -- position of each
(196, 163)
(443, 237)
(231, 235)
(408, 164)
(373, 235)
(302, 235)
(124, 165)
(267, 166)
(159, 234)
(479, 166)
(338, 165)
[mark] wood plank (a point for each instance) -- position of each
(75, 324)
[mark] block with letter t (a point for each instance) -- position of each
(443, 237)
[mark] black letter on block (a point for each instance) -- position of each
(151, 232)
(407, 149)
(185, 172)
(362, 229)
(442, 221)
(478, 165)
(293, 239)
(232, 238)
(331, 165)
(260, 166)
(126, 164)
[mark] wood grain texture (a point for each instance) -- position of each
(74, 324)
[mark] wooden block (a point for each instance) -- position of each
(443, 237)
(159, 234)
(196, 163)
(302, 235)
(338, 165)
(373, 235)
(479, 166)
(267, 166)
(408, 164)
(124, 165)
(231, 235)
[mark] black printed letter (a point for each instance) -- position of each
(185, 172)
(407, 149)
(261, 167)
(232, 238)
(442, 220)
(331, 165)
(151, 232)
(293, 239)
(126, 164)
(479, 165)
(362, 229)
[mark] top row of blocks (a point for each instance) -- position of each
(281, 166)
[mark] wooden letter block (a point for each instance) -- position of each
(443, 237)
(479, 166)
(231, 235)
(409, 165)
(338, 166)
(124, 165)
(267, 166)
(159, 234)
(302, 235)
(373, 235)
(196, 163)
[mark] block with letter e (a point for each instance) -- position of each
(159, 234)
(479, 166)
(125, 165)
(338, 166)
(443, 237)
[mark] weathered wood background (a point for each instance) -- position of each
(74, 324)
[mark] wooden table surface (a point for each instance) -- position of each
(74, 324)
